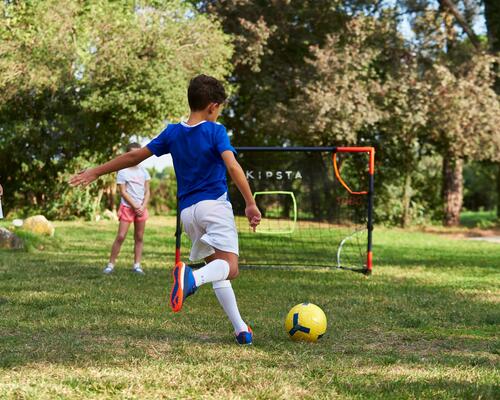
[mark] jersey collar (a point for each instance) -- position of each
(192, 126)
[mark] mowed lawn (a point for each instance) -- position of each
(426, 324)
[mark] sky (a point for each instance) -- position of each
(158, 163)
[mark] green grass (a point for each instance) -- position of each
(480, 219)
(304, 243)
(424, 325)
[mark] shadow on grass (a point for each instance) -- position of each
(62, 313)
(470, 255)
(57, 307)
(380, 386)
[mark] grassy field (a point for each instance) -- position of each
(424, 325)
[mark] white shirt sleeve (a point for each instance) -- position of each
(121, 177)
(146, 175)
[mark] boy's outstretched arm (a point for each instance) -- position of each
(238, 176)
(129, 159)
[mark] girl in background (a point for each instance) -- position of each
(133, 183)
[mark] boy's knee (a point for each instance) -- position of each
(233, 271)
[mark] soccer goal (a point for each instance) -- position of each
(316, 204)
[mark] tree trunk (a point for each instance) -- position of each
(498, 191)
(111, 198)
(110, 195)
(453, 187)
(407, 193)
(492, 17)
(461, 21)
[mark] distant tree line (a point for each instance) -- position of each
(77, 82)
(341, 72)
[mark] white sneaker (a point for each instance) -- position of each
(108, 270)
(138, 270)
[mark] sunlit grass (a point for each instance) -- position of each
(424, 325)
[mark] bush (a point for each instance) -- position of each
(163, 188)
(479, 186)
(425, 203)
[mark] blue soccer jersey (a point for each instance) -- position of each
(196, 151)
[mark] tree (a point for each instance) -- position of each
(340, 101)
(274, 45)
(492, 16)
(464, 123)
(405, 103)
(340, 72)
(464, 110)
(83, 78)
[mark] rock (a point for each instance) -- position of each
(40, 225)
(111, 215)
(9, 240)
(17, 223)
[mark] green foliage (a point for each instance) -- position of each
(339, 103)
(71, 203)
(84, 78)
(425, 205)
(60, 201)
(357, 80)
(464, 120)
(35, 243)
(479, 219)
(163, 187)
(478, 178)
(272, 62)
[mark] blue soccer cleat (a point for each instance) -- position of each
(183, 286)
(245, 337)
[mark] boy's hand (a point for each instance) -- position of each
(83, 178)
(253, 215)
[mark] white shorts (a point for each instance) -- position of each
(210, 225)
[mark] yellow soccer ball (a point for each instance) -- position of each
(306, 322)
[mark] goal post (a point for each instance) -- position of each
(316, 204)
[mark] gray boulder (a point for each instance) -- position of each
(9, 240)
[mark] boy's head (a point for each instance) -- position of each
(132, 146)
(206, 93)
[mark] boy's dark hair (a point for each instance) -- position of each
(203, 90)
(133, 145)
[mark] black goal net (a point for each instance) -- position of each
(316, 206)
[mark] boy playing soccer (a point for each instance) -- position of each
(201, 153)
(134, 189)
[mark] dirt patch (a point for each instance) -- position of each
(490, 239)
(492, 235)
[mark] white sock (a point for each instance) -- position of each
(225, 294)
(137, 265)
(216, 270)
(110, 265)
